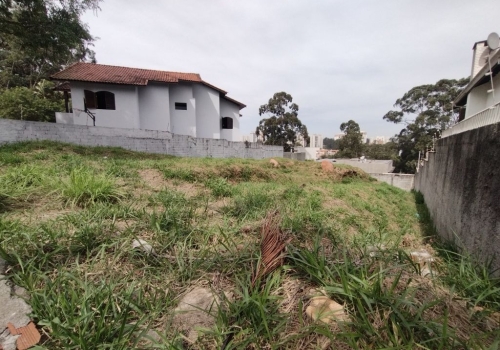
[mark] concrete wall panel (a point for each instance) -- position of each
(150, 141)
(461, 187)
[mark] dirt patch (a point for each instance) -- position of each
(153, 178)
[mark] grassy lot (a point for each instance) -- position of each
(69, 214)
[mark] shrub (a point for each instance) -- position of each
(85, 188)
(23, 103)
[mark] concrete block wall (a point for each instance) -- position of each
(295, 156)
(370, 166)
(402, 181)
(150, 141)
(461, 187)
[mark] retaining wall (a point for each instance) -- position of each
(402, 181)
(149, 141)
(369, 166)
(460, 182)
(295, 155)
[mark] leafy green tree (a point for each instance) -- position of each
(39, 37)
(385, 151)
(351, 144)
(425, 110)
(283, 127)
(24, 103)
(329, 143)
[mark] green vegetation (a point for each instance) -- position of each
(69, 214)
(283, 127)
(425, 110)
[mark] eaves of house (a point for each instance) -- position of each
(480, 78)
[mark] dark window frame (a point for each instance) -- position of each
(99, 100)
(181, 106)
(227, 123)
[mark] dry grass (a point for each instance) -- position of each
(214, 223)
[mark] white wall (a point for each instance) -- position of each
(479, 99)
(126, 114)
(229, 109)
(311, 152)
(183, 122)
(154, 107)
(208, 123)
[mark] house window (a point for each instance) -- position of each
(105, 100)
(99, 100)
(90, 99)
(227, 123)
(181, 106)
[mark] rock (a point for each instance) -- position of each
(13, 310)
(197, 309)
(327, 166)
(274, 163)
(326, 310)
(424, 259)
(375, 250)
(142, 245)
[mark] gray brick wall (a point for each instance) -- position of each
(150, 141)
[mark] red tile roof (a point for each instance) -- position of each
(102, 73)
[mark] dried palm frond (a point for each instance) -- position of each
(272, 247)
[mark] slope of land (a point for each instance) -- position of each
(69, 216)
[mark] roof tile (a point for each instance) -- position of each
(102, 73)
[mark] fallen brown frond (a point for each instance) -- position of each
(272, 247)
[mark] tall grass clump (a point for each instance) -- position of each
(219, 187)
(79, 314)
(387, 310)
(84, 188)
(177, 214)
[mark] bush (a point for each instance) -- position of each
(23, 103)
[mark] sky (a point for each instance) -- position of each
(339, 60)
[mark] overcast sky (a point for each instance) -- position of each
(339, 60)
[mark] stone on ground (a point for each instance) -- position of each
(327, 166)
(196, 310)
(424, 259)
(326, 310)
(274, 163)
(12, 310)
(143, 246)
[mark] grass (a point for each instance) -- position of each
(68, 216)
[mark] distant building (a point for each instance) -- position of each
(379, 140)
(252, 137)
(316, 140)
(338, 136)
(301, 141)
(363, 136)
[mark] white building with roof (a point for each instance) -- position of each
(478, 103)
(132, 98)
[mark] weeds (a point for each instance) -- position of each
(90, 290)
(85, 188)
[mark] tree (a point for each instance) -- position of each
(425, 110)
(351, 144)
(385, 151)
(39, 37)
(329, 143)
(24, 103)
(283, 127)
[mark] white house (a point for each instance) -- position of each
(133, 98)
(479, 102)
